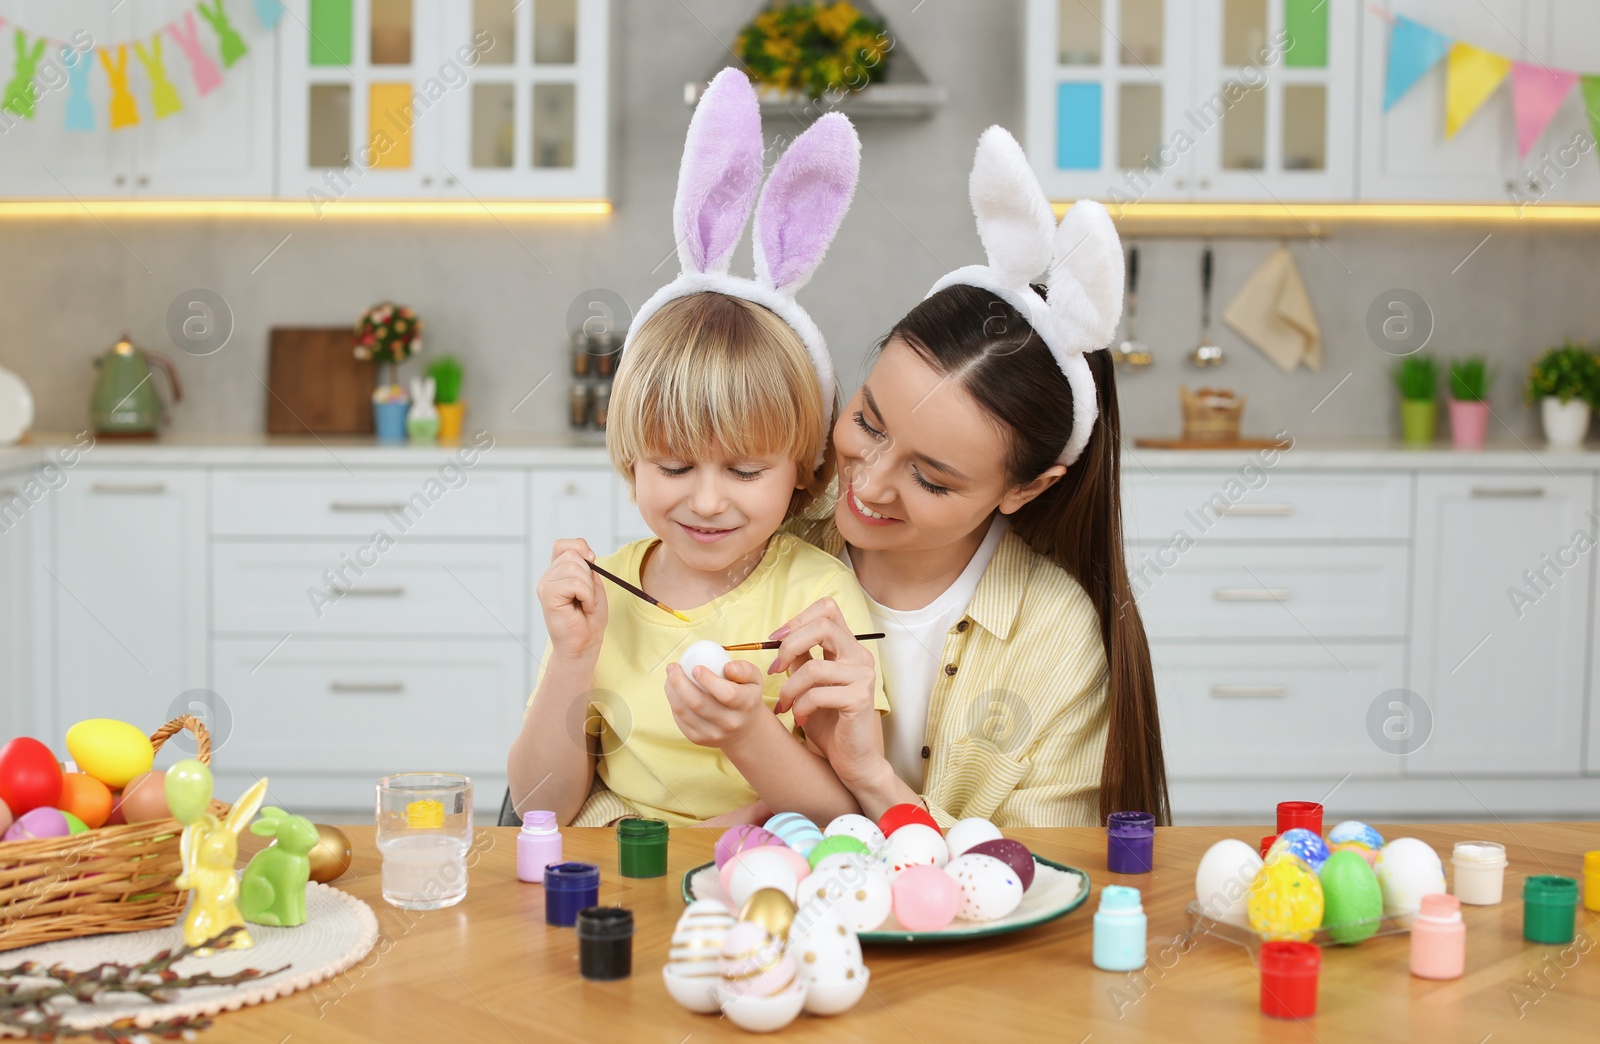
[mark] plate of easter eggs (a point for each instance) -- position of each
(899, 880)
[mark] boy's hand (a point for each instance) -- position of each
(725, 711)
(573, 599)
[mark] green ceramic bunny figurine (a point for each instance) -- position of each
(20, 92)
(273, 890)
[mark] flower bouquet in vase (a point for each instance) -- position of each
(388, 334)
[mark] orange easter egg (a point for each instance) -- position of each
(85, 797)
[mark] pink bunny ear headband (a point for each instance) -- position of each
(1083, 256)
(798, 213)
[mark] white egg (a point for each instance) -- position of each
(852, 888)
(704, 654)
(965, 833)
(828, 957)
(853, 824)
(989, 888)
(915, 844)
(764, 867)
(697, 940)
(1408, 869)
(1222, 880)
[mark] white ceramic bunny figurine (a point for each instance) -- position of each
(422, 393)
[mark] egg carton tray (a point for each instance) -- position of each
(1240, 935)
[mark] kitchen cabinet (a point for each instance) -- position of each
(128, 586)
(1562, 166)
(18, 524)
(1500, 621)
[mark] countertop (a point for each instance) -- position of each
(491, 969)
(1322, 454)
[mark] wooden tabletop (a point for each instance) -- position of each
(490, 969)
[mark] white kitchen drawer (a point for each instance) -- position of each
(470, 589)
(1222, 505)
(428, 502)
(369, 707)
(630, 525)
(1310, 593)
(1261, 710)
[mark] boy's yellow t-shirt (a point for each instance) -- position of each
(645, 759)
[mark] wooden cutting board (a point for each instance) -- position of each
(315, 384)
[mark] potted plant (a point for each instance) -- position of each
(1565, 382)
(446, 374)
(388, 334)
(1469, 401)
(1417, 377)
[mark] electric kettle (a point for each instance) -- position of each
(124, 400)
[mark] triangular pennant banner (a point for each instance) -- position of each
(1537, 92)
(1413, 50)
(1590, 85)
(1471, 76)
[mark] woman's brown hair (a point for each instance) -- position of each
(973, 336)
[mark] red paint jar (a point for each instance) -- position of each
(1289, 979)
(1304, 814)
(1266, 843)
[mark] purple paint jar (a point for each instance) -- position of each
(1130, 842)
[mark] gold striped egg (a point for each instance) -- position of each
(697, 939)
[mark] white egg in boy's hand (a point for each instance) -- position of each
(704, 654)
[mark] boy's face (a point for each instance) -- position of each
(713, 513)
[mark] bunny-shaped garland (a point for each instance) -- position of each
(797, 215)
(1083, 255)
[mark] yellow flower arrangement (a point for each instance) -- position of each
(815, 48)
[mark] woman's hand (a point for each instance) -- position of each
(719, 711)
(832, 698)
(573, 599)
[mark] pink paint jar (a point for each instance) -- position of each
(1438, 938)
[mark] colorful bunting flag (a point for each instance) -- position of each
(1537, 92)
(269, 11)
(1472, 74)
(20, 92)
(1590, 86)
(228, 40)
(1413, 50)
(124, 110)
(80, 110)
(201, 67)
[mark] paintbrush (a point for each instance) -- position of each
(746, 646)
(664, 607)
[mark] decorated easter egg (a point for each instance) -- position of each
(1014, 854)
(85, 797)
(827, 957)
(705, 654)
(753, 962)
(771, 909)
(964, 833)
(1285, 899)
(835, 845)
(852, 886)
(330, 857)
(915, 844)
(697, 940)
(5, 818)
(854, 825)
(111, 751)
(38, 824)
(30, 776)
(798, 832)
(749, 872)
(1407, 870)
(1222, 880)
(1358, 837)
(736, 839)
(989, 888)
(1352, 899)
(925, 898)
(902, 815)
(1307, 844)
(145, 798)
(74, 824)
(188, 787)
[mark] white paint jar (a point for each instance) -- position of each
(1480, 871)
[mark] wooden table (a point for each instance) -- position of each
(490, 969)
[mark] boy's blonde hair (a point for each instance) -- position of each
(710, 370)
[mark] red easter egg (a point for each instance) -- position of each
(30, 776)
(901, 815)
(1012, 853)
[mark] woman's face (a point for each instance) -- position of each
(921, 463)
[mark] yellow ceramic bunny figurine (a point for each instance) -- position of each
(209, 850)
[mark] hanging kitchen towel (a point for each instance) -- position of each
(1273, 312)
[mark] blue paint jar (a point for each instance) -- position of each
(568, 888)
(1119, 929)
(1130, 842)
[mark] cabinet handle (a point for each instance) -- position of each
(450, 181)
(1205, 183)
(144, 179)
(1250, 691)
(9, 491)
(1252, 594)
(427, 180)
(370, 592)
(1180, 182)
(119, 180)
(348, 505)
(1276, 510)
(343, 686)
(128, 487)
(571, 489)
(1491, 492)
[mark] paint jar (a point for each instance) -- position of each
(1289, 973)
(1303, 814)
(568, 888)
(1438, 938)
(1266, 843)
(1591, 881)
(1549, 909)
(642, 848)
(605, 943)
(1480, 871)
(538, 845)
(1119, 929)
(1130, 842)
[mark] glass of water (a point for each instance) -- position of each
(424, 831)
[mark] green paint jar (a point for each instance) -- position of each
(642, 848)
(1549, 909)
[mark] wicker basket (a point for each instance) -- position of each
(113, 879)
(1211, 414)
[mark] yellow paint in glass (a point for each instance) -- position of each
(389, 119)
(425, 814)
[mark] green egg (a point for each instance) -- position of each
(838, 843)
(1352, 899)
(74, 824)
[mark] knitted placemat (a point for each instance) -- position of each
(339, 931)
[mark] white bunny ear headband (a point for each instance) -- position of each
(1083, 256)
(797, 215)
